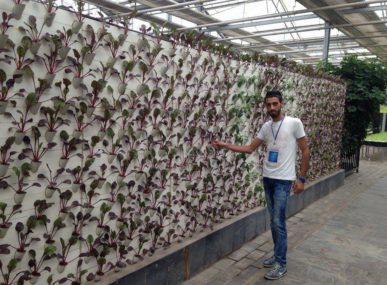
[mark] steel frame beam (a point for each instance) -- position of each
(263, 22)
(273, 18)
(337, 55)
(300, 29)
(364, 10)
(273, 21)
(112, 6)
(208, 8)
(313, 40)
(333, 46)
(303, 11)
(163, 8)
(334, 59)
(316, 50)
(285, 23)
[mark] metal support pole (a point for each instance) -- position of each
(327, 39)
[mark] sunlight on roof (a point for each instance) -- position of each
(257, 17)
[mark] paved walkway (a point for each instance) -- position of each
(340, 239)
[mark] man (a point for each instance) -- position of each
(281, 136)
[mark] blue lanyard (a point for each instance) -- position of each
(272, 131)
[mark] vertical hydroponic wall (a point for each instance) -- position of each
(104, 142)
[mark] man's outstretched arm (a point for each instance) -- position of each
(239, 148)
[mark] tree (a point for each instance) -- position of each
(366, 89)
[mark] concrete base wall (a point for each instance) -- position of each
(181, 261)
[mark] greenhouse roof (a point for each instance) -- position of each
(305, 30)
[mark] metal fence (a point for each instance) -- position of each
(350, 161)
(369, 150)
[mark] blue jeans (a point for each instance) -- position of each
(277, 193)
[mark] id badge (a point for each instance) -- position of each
(273, 155)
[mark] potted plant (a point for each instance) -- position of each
(124, 75)
(79, 115)
(79, 221)
(77, 68)
(52, 60)
(124, 162)
(132, 228)
(40, 88)
(122, 219)
(36, 264)
(104, 73)
(21, 173)
(77, 25)
(93, 97)
(6, 86)
(92, 246)
(50, 12)
(149, 184)
(18, 8)
(5, 218)
(21, 123)
(4, 26)
(111, 145)
(6, 155)
(101, 223)
(65, 250)
(52, 120)
(122, 252)
(64, 206)
(63, 95)
(65, 36)
(92, 40)
(77, 277)
(52, 181)
(40, 207)
(23, 236)
(106, 121)
(50, 234)
(104, 266)
(35, 150)
(141, 251)
(69, 146)
(142, 42)
(90, 147)
(78, 172)
(114, 189)
(101, 175)
(90, 194)
(34, 33)
(22, 62)
(124, 118)
(114, 46)
(9, 277)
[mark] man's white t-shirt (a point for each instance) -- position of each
(284, 148)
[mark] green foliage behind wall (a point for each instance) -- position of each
(366, 90)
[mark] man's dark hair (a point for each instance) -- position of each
(274, 93)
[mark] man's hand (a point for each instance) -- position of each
(298, 187)
(218, 144)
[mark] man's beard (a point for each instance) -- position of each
(274, 114)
